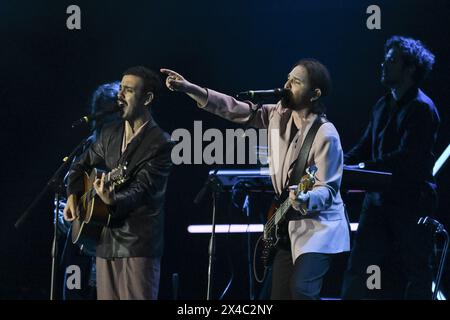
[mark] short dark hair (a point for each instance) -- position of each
(152, 80)
(413, 52)
(319, 78)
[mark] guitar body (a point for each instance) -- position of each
(275, 236)
(280, 213)
(93, 215)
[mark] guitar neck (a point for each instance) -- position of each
(306, 183)
(278, 217)
(280, 214)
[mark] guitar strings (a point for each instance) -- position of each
(271, 222)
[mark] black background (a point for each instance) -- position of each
(49, 72)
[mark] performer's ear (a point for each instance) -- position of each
(315, 94)
(149, 98)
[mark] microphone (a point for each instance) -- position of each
(95, 116)
(263, 94)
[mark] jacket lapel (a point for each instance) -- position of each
(139, 148)
(114, 147)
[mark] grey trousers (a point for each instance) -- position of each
(135, 278)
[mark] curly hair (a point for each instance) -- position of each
(104, 93)
(413, 53)
(103, 98)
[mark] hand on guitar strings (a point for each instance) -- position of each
(106, 193)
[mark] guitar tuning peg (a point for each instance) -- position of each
(311, 170)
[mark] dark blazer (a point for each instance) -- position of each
(136, 228)
(400, 138)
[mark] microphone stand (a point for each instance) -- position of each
(216, 187)
(442, 263)
(437, 228)
(246, 210)
(55, 183)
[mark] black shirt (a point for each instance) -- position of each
(400, 138)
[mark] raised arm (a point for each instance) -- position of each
(225, 106)
(176, 82)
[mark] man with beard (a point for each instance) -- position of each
(299, 268)
(130, 246)
(399, 138)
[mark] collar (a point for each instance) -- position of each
(409, 95)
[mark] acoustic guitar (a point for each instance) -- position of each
(93, 213)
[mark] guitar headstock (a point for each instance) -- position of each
(311, 170)
(308, 180)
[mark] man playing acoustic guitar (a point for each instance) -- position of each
(130, 246)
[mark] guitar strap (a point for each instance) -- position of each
(298, 172)
(300, 164)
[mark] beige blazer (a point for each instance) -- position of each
(325, 229)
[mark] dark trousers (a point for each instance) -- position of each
(299, 281)
(386, 224)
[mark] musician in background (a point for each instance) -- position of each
(298, 268)
(104, 98)
(130, 247)
(399, 138)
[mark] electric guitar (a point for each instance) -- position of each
(275, 230)
(93, 213)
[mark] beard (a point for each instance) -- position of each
(288, 101)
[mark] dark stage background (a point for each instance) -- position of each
(49, 72)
